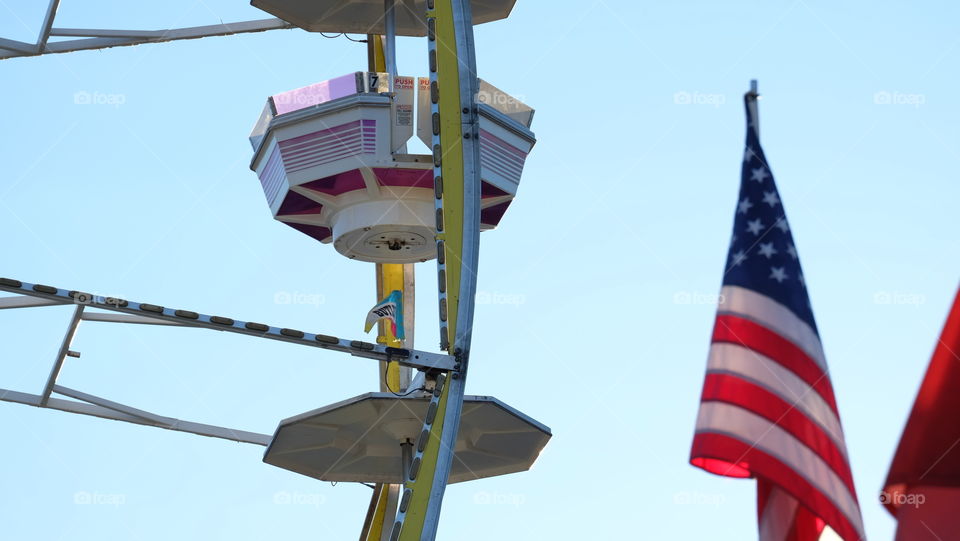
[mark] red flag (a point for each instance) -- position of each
(923, 486)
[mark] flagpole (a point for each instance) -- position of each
(752, 96)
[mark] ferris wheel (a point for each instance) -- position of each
(333, 163)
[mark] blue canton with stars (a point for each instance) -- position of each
(762, 254)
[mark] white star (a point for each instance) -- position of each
(760, 174)
(778, 274)
(792, 250)
(748, 154)
(782, 224)
(767, 249)
(754, 226)
(744, 205)
(739, 257)
(771, 198)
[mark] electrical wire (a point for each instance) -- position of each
(338, 34)
(401, 395)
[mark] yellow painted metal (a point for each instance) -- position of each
(451, 137)
(390, 277)
(376, 59)
(373, 528)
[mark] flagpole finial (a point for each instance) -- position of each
(751, 100)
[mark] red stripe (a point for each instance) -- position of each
(805, 526)
(756, 337)
(762, 465)
(751, 397)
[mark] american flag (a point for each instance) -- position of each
(768, 410)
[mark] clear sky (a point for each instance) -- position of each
(600, 280)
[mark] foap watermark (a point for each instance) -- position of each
(900, 499)
(885, 97)
(84, 97)
(297, 297)
(501, 99)
(496, 297)
(298, 498)
(98, 498)
(699, 498)
(898, 298)
(696, 297)
(496, 498)
(80, 297)
(696, 97)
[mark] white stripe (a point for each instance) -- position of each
(749, 428)
(773, 315)
(778, 516)
(829, 535)
(748, 364)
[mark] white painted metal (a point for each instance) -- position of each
(413, 358)
(47, 24)
(366, 16)
(168, 423)
(108, 317)
(14, 48)
(109, 404)
(387, 230)
(61, 354)
(28, 302)
(359, 439)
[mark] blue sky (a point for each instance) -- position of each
(601, 277)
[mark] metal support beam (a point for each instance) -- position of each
(390, 39)
(101, 33)
(110, 405)
(137, 37)
(357, 348)
(61, 354)
(456, 159)
(108, 317)
(47, 25)
(168, 423)
(27, 302)
(16, 47)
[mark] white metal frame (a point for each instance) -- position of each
(104, 38)
(88, 307)
(144, 313)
